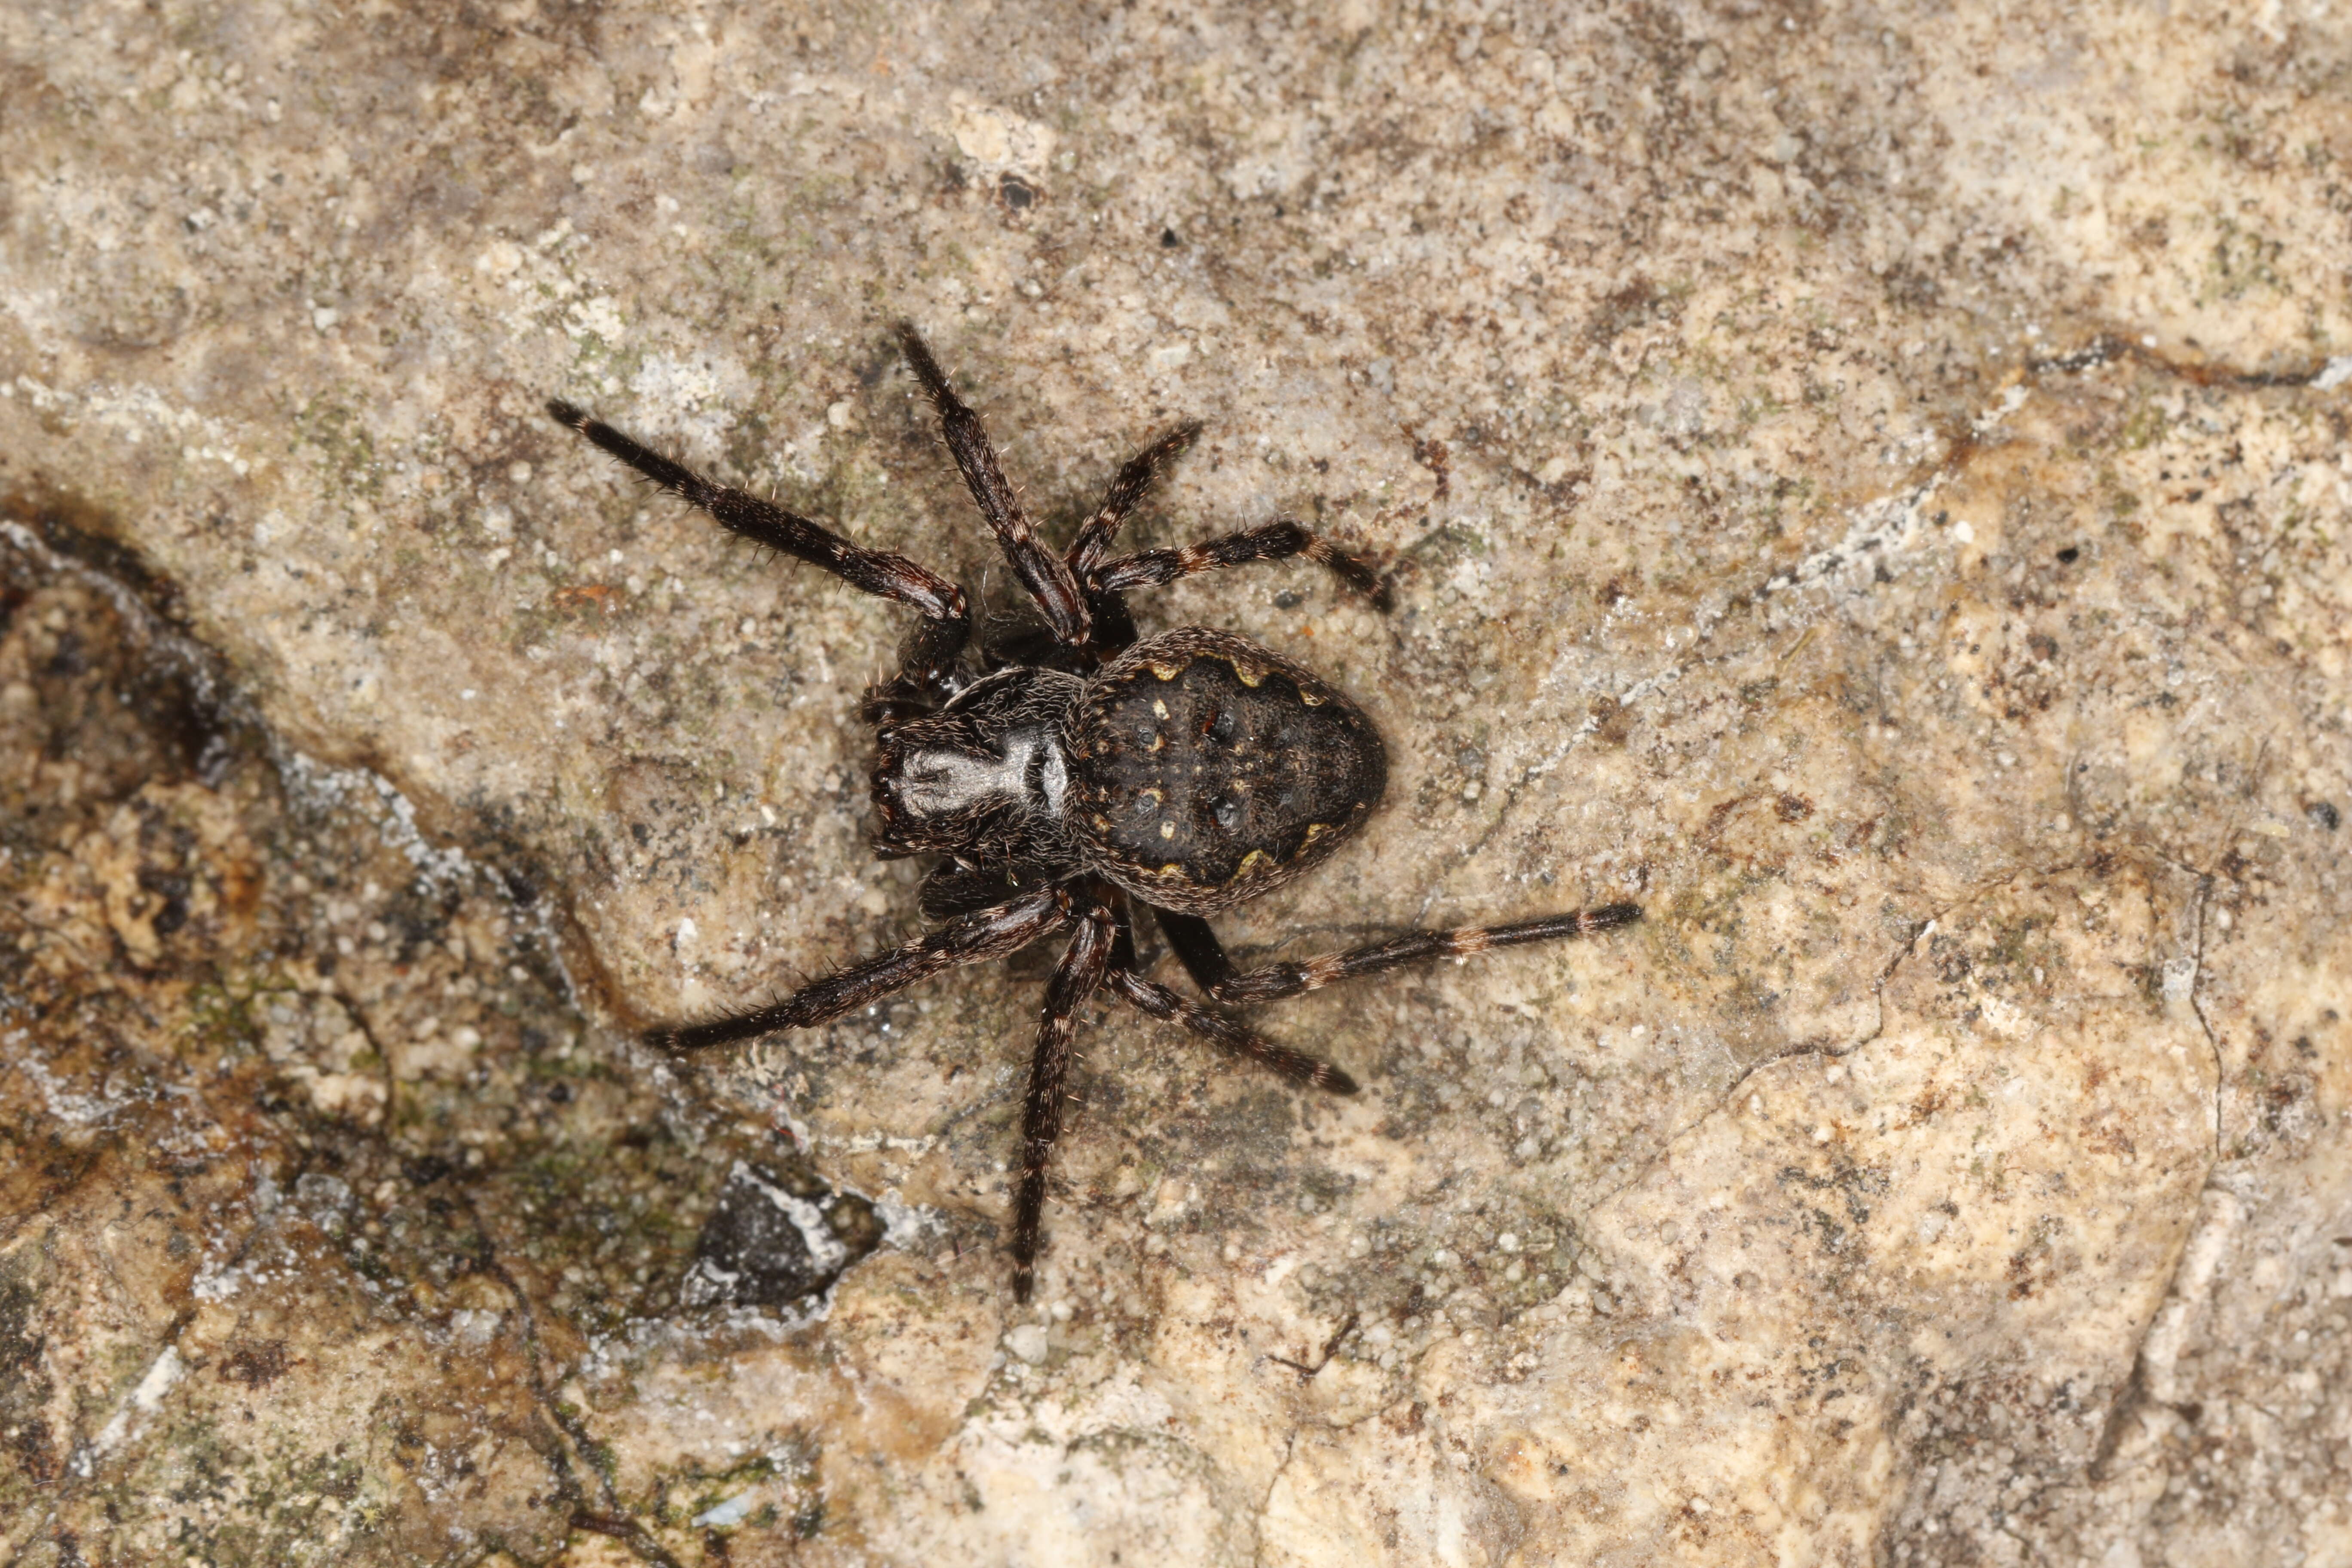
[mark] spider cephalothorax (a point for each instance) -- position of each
(1092, 773)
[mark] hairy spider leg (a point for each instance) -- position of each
(971, 939)
(1127, 489)
(1081, 972)
(1114, 627)
(952, 887)
(1228, 1033)
(1046, 576)
(947, 622)
(1270, 542)
(1276, 981)
(1220, 1028)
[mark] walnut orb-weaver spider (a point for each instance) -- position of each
(1070, 781)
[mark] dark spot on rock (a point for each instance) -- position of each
(256, 1363)
(426, 1170)
(67, 659)
(76, 528)
(1019, 194)
(1167, 240)
(2068, 556)
(2324, 814)
(777, 1238)
(172, 891)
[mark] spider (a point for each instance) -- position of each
(1070, 778)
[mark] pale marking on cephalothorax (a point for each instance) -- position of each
(932, 783)
(1054, 777)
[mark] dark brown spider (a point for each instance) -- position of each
(1073, 778)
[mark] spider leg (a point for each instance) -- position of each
(1276, 981)
(1230, 1034)
(946, 620)
(1081, 972)
(1274, 542)
(1203, 958)
(1197, 948)
(971, 939)
(1046, 575)
(1114, 626)
(952, 887)
(1126, 491)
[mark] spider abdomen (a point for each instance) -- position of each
(1205, 769)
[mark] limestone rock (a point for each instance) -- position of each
(1868, 485)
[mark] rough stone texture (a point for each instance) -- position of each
(1868, 483)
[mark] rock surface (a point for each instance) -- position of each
(1868, 484)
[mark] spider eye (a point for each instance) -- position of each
(1222, 725)
(1228, 813)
